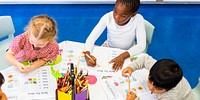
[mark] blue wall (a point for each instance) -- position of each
(176, 35)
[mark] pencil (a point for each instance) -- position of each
(129, 87)
(128, 81)
(90, 58)
(78, 62)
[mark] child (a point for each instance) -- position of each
(124, 26)
(2, 95)
(165, 79)
(37, 44)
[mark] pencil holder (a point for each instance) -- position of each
(64, 96)
(82, 96)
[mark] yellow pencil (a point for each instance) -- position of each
(91, 58)
(128, 81)
(129, 87)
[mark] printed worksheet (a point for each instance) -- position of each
(38, 84)
(104, 55)
(116, 88)
(72, 52)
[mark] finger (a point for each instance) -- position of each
(91, 64)
(114, 67)
(112, 61)
(93, 58)
(130, 73)
(22, 71)
(25, 68)
(119, 65)
(92, 61)
(131, 92)
(124, 72)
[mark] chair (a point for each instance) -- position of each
(149, 28)
(6, 36)
(196, 90)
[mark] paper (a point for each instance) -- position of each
(38, 84)
(116, 88)
(72, 53)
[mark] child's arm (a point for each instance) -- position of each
(143, 61)
(36, 64)
(3, 96)
(96, 32)
(9, 56)
(140, 37)
(119, 61)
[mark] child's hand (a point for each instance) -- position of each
(118, 62)
(131, 96)
(128, 70)
(21, 68)
(30, 68)
(91, 60)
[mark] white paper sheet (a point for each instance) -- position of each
(38, 84)
(116, 88)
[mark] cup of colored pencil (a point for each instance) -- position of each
(67, 90)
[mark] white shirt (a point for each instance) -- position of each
(123, 37)
(182, 91)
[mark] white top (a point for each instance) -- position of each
(182, 91)
(122, 37)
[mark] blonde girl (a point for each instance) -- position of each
(37, 44)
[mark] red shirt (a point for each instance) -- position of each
(24, 50)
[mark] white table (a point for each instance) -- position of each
(95, 90)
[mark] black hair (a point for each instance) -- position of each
(2, 80)
(134, 4)
(165, 74)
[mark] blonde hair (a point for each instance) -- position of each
(42, 27)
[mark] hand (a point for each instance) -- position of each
(30, 68)
(131, 96)
(128, 70)
(118, 62)
(91, 60)
(21, 67)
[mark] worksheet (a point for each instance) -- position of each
(39, 84)
(116, 88)
(72, 52)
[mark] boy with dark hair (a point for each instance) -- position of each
(165, 79)
(125, 30)
(2, 95)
